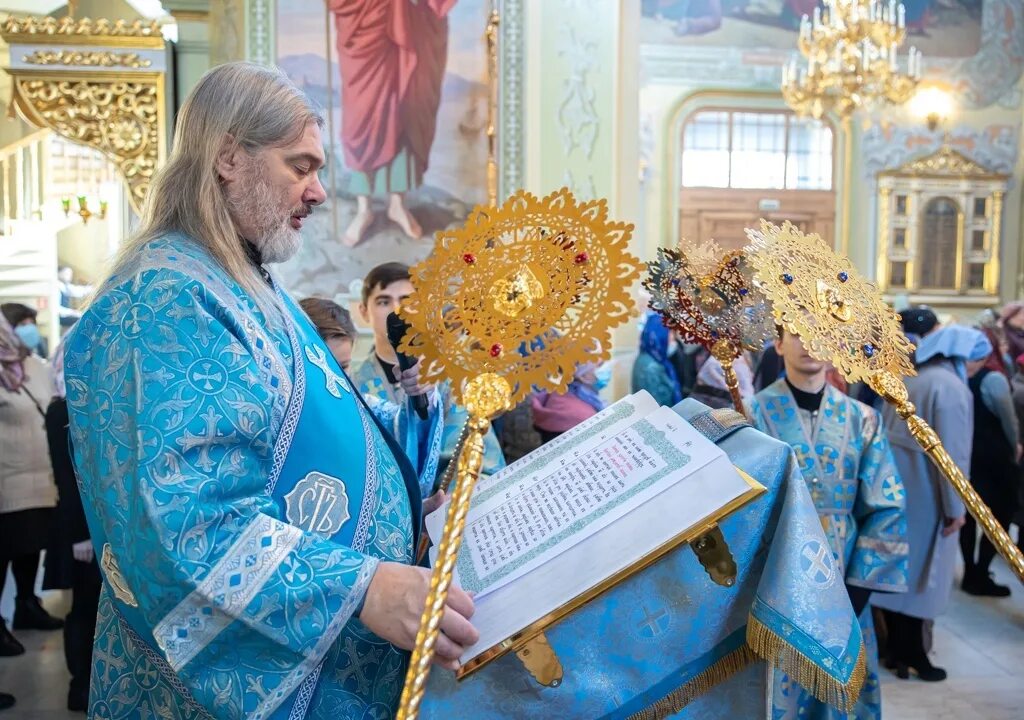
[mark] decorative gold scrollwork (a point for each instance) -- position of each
(117, 116)
(87, 59)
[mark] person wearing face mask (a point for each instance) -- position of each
(23, 319)
(555, 413)
(27, 491)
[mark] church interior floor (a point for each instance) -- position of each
(980, 642)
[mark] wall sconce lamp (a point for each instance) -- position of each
(933, 104)
(83, 209)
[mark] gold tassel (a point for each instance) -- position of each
(699, 684)
(773, 649)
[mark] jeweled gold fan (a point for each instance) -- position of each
(512, 301)
(842, 319)
(707, 297)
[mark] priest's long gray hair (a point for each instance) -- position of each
(240, 103)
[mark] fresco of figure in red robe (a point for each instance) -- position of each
(391, 57)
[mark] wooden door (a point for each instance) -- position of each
(724, 214)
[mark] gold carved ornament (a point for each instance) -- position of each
(109, 105)
(512, 301)
(842, 319)
(118, 117)
(87, 59)
(708, 297)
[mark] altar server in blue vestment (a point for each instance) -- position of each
(254, 521)
(378, 375)
(845, 459)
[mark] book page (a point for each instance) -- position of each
(578, 440)
(693, 501)
(513, 531)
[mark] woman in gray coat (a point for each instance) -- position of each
(935, 512)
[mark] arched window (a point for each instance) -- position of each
(755, 149)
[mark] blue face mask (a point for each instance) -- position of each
(602, 376)
(29, 334)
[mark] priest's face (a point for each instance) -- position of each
(791, 349)
(272, 191)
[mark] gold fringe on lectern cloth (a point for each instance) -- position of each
(826, 688)
(699, 684)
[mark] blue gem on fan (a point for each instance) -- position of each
(675, 282)
(787, 278)
(714, 334)
(844, 276)
(743, 291)
(869, 350)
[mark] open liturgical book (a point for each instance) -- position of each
(556, 528)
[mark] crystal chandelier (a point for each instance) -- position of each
(850, 50)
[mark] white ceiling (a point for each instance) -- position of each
(30, 7)
(145, 8)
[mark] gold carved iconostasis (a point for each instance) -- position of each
(93, 96)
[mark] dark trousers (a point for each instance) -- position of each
(24, 568)
(80, 625)
(1003, 513)
(904, 638)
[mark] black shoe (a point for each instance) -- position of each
(30, 615)
(6, 701)
(984, 586)
(9, 645)
(902, 672)
(78, 699)
(926, 671)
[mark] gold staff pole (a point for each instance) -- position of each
(894, 391)
(491, 35)
(842, 319)
(485, 397)
(726, 356)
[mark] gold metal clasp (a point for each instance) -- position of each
(713, 553)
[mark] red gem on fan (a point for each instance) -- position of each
(582, 258)
(496, 349)
(469, 258)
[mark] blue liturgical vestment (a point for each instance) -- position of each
(240, 496)
(373, 384)
(845, 459)
(669, 642)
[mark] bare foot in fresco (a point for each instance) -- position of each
(399, 214)
(361, 221)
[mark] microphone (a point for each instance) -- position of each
(397, 328)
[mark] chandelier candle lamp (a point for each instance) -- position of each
(850, 52)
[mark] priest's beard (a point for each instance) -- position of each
(262, 206)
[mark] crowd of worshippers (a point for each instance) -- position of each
(967, 377)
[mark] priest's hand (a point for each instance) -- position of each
(394, 604)
(410, 381)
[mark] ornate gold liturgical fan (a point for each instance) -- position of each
(842, 319)
(510, 302)
(707, 297)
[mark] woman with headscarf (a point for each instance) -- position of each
(994, 472)
(934, 510)
(556, 413)
(1011, 319)
(653, 370)
(27, 492)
